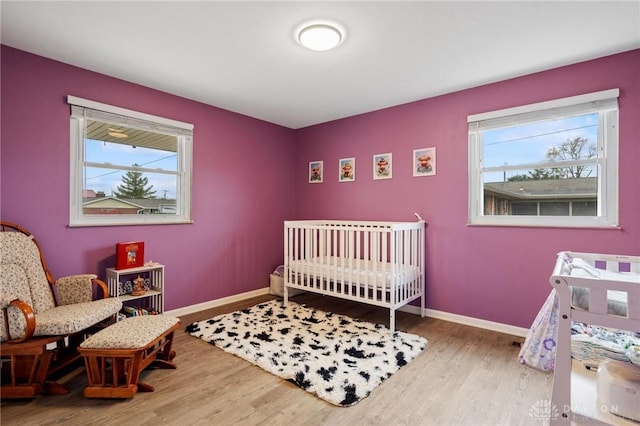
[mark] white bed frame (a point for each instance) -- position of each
(378, 263)
(627, 281)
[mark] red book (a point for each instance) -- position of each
(129, 255)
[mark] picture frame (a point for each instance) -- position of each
(316, 171)
(424, 162)
(382, 166)
(129, 254)
(347, 169)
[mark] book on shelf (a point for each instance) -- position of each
(133, 311)
(129, 254)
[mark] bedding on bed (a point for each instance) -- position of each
(353, 271)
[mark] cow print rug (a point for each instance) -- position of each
(337, 358)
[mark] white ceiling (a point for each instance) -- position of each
(242, 56)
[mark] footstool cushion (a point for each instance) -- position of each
(131, 333)
(115, 357)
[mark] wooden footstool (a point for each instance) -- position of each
(115, 357)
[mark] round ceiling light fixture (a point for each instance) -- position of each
(117, 133)
(319, 36)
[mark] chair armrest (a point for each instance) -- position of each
(74, 289)
(79, 288)
(27, 313)
(103, 287)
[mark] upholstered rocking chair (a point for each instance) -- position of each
(43, 320)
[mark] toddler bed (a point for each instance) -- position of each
(378, 263)
(593, 289)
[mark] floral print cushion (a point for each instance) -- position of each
(17, 323)
(62, 320)
(22, 277)
(14, 281)
(20, 260)
(131, 333)
(75, 289)
(73, 318)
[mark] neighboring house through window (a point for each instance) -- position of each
(128, 167)
(552, 163)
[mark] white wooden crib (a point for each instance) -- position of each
(601, 275)
(378, 263)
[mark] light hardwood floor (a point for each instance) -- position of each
(465, 376)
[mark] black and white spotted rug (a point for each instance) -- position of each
(337, 358)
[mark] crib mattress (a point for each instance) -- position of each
(352, 271)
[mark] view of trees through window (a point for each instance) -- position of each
(128, 170)
(135, 185)
(544, 168)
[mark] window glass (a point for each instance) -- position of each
(546, 165)
(584, 208)
(126, 170)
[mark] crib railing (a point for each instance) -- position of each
(380, 263)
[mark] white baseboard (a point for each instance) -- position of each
(217, 302)
(473, 322)
(431, 313)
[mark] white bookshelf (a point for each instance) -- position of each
(153, 298)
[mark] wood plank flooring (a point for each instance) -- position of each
(465, 376)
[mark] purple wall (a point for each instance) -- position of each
(241, 183)
(242, 189)
(492, 273)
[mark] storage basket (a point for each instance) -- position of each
(277, 286)
(618, 388)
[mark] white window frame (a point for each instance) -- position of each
(606, 104)
(184, 133)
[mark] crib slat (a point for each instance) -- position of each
(367, 263)
(376, 268)
(320, 259)
(358, 257)
(342, 261)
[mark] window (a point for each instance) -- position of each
(128, 167)
(553, 163)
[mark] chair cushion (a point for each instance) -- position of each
(69, 319)
(131, 333)
(75, 289)
(15, 317)
(19, 264)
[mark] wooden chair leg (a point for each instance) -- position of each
(27, 375)
(166, 354)
(145, 387)
(55, 388)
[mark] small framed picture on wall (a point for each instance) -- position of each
(424, 162)
(382, 167)
(315, 172)
(347, 169)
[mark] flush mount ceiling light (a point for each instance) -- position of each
(319, 36)
(116, 133)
